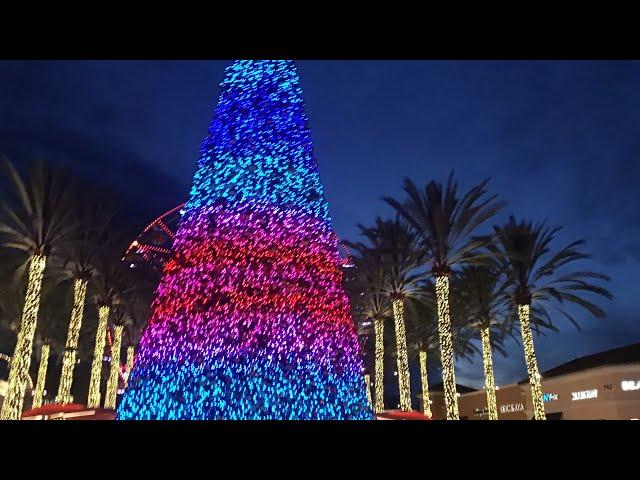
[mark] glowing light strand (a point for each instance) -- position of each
(404, 380)
(367, 382)
(489, 382)
(446, 348)
(69, 358)
(93, 400)
(426, 401)
(21, 360)
(532, 363)
(42, 376)
(379, 365)
(112, 384)
(250, 320)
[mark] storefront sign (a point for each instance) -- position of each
(512, 407)
(481, 412)
(630, 385)
(549, 397)
(584, 395)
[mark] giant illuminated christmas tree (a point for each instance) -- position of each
(250, 320)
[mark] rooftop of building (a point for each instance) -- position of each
(615, 356)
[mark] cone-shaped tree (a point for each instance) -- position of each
(445, 221)
(533, 277)
(251, 320)
(35, 222)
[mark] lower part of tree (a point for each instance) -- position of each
(42, 376)
(21, 360)
(446, 348)
(367, 382)
(112, 384)
(426, 402)
(379, 365)
(404, 381)
(130, 360)
(489, 381)
(69, 358)
(93, 400)
(532, 363)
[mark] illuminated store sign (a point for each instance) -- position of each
(584, 395)
(629, 385)
(549, 397)
(512, 407)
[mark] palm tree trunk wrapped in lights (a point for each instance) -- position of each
(488, 373)
(446, 348)
(367, 381)
(42, 376)
(93, 400)
(379, 360)
(403, 359)
(112, 385)
(426, 402)
(130, 360)
(69, 359)
(532, 363)
(21, 360)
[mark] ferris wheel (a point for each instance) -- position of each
(153, 246)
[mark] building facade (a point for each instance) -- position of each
(604, 386)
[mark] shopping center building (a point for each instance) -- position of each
(604, 386)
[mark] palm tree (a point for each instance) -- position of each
(371, 308)
(119, 322)
(36, 224)
(445, 222)
(531, 268)
(394, 246)
(422, 334)
(78, 263)
(422, 339)
(481, 303)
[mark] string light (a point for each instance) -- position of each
(378, 326)
(367, 382)
(492, 407)
(404, 381)
(93, 400)
(69, 358)
(251, 320)
(112, 384)
(21, 360)
(129, 366)
(42, 376)
(532, 363)
(446, 348)
(426, 402)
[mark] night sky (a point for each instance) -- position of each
(560, 140)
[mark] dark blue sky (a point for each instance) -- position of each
(561, 141)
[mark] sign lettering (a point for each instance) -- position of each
(584, 395)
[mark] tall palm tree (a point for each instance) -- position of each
(35, 223)
(481, 303)
(394, 246)
(370, 307)
(531, 267)
(445, 222)
(119, 322)
(78, 264)
(422, 334)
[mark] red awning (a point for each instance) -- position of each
(400, 415)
